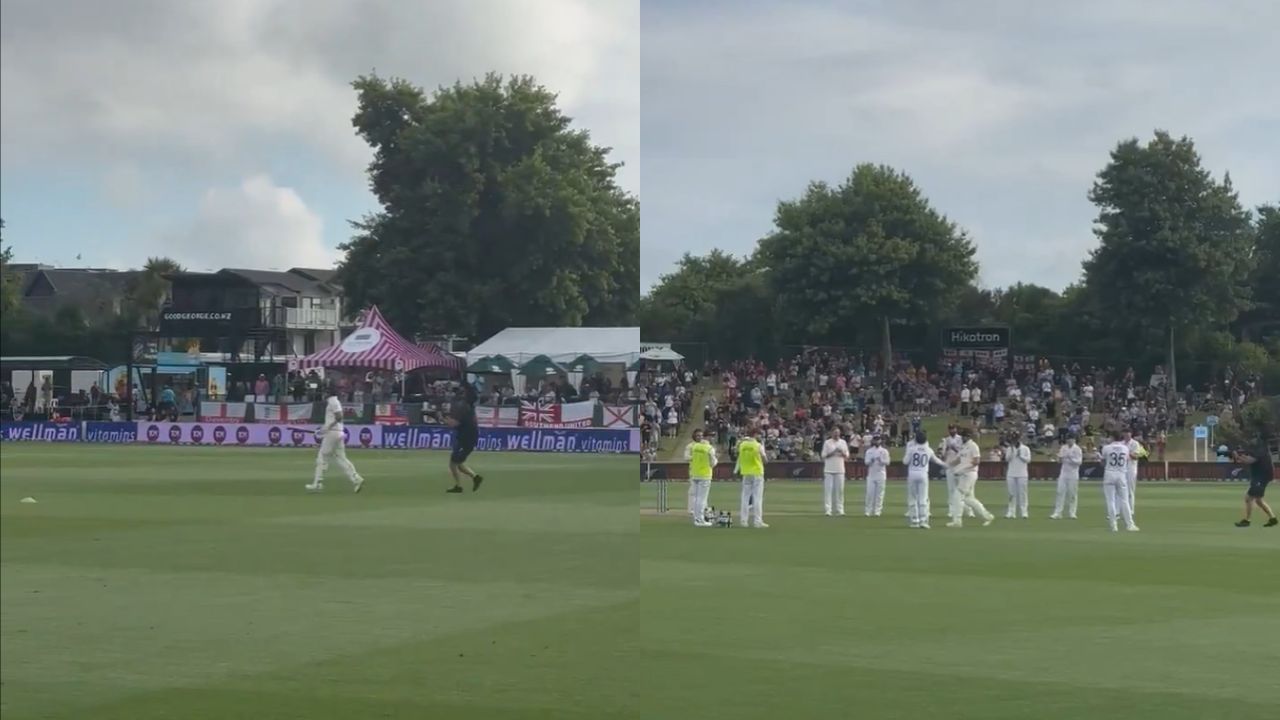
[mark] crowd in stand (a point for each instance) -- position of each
(796, 402)
(665, 397)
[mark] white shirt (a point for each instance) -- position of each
(1019, 456)
(964, 395)
(969, 457)
(834, 453)
(917, 459)
(333, 415)
(1135, 451)
(877, 460)
(977, 395)
(1115, 460)
(1087, 391)
(1071, 457)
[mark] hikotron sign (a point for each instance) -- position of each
(976, 338)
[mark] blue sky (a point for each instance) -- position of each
(218, 131)
(1002, 111)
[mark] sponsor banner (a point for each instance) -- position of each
(434, 437)
(111, 432)
(976, 338)
(504, 416)
(619, 416)
(222, 412)
(555, 415)
(390, 414)
(291, 413)
(275, 435)
(42, 431)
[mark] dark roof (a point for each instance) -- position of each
(92, 291)
(276, 281)
(328, 276)
(61, 362)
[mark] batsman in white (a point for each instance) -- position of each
(835, 452)
(950, 449)
(1116, 458)
(1071, 457)
(333, 447)
(917, 458)
(1019, 455)
(1131, 480)
(965, 467)
(877, 461)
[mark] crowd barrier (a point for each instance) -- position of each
(405, 437)
(1150, 471)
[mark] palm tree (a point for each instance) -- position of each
(148, 290)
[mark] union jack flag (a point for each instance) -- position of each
(538, 413)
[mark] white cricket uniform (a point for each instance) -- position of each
(968, 459)
(917, 459)
(834, 454)
(1071, 457)
(877, 461)
(333, 446)
(1131, 479)
(1016, 480)
(951, 449)
(1115, 483)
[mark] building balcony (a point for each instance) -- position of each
(301, 318)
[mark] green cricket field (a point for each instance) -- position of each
(202, 583)
(857, 617)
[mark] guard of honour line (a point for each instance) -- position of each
(960, 459)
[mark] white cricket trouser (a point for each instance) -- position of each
(1116, 492)
(918, 501)
(1068, 491)
(1131, 487)
(1017, 496)
(752, 508)
(701, 490)
(966, 499)
(833, 493)
(332, 447)
(875, 495)
(951, 496)
(693, 496)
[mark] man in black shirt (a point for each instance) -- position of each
(1261, 470)
(462, 417)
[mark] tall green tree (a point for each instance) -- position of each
(865, 254)
(10, 290)
(147, 291)
(1172, 243)
(495, 212)
(683, 302)
(1263, 317)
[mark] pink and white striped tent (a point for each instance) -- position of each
(375, 344)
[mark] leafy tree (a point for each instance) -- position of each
(683, 302)
(1032, 313)
(10, 290)
(863, 255)
(1172, 240)
(495, 212)
(1263, 318)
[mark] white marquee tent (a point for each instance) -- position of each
(607, 345)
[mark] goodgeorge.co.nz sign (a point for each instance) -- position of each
(207, 323)
(976, 337)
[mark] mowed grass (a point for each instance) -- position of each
(860, 617)
(204, 583)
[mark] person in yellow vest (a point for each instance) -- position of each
(750, 465)
(701, 456)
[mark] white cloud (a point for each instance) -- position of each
(256, 224)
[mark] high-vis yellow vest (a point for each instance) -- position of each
(750, 461)
(700, 460)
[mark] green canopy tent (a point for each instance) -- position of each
(542, 366)
(580, 367)
(491, 365)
